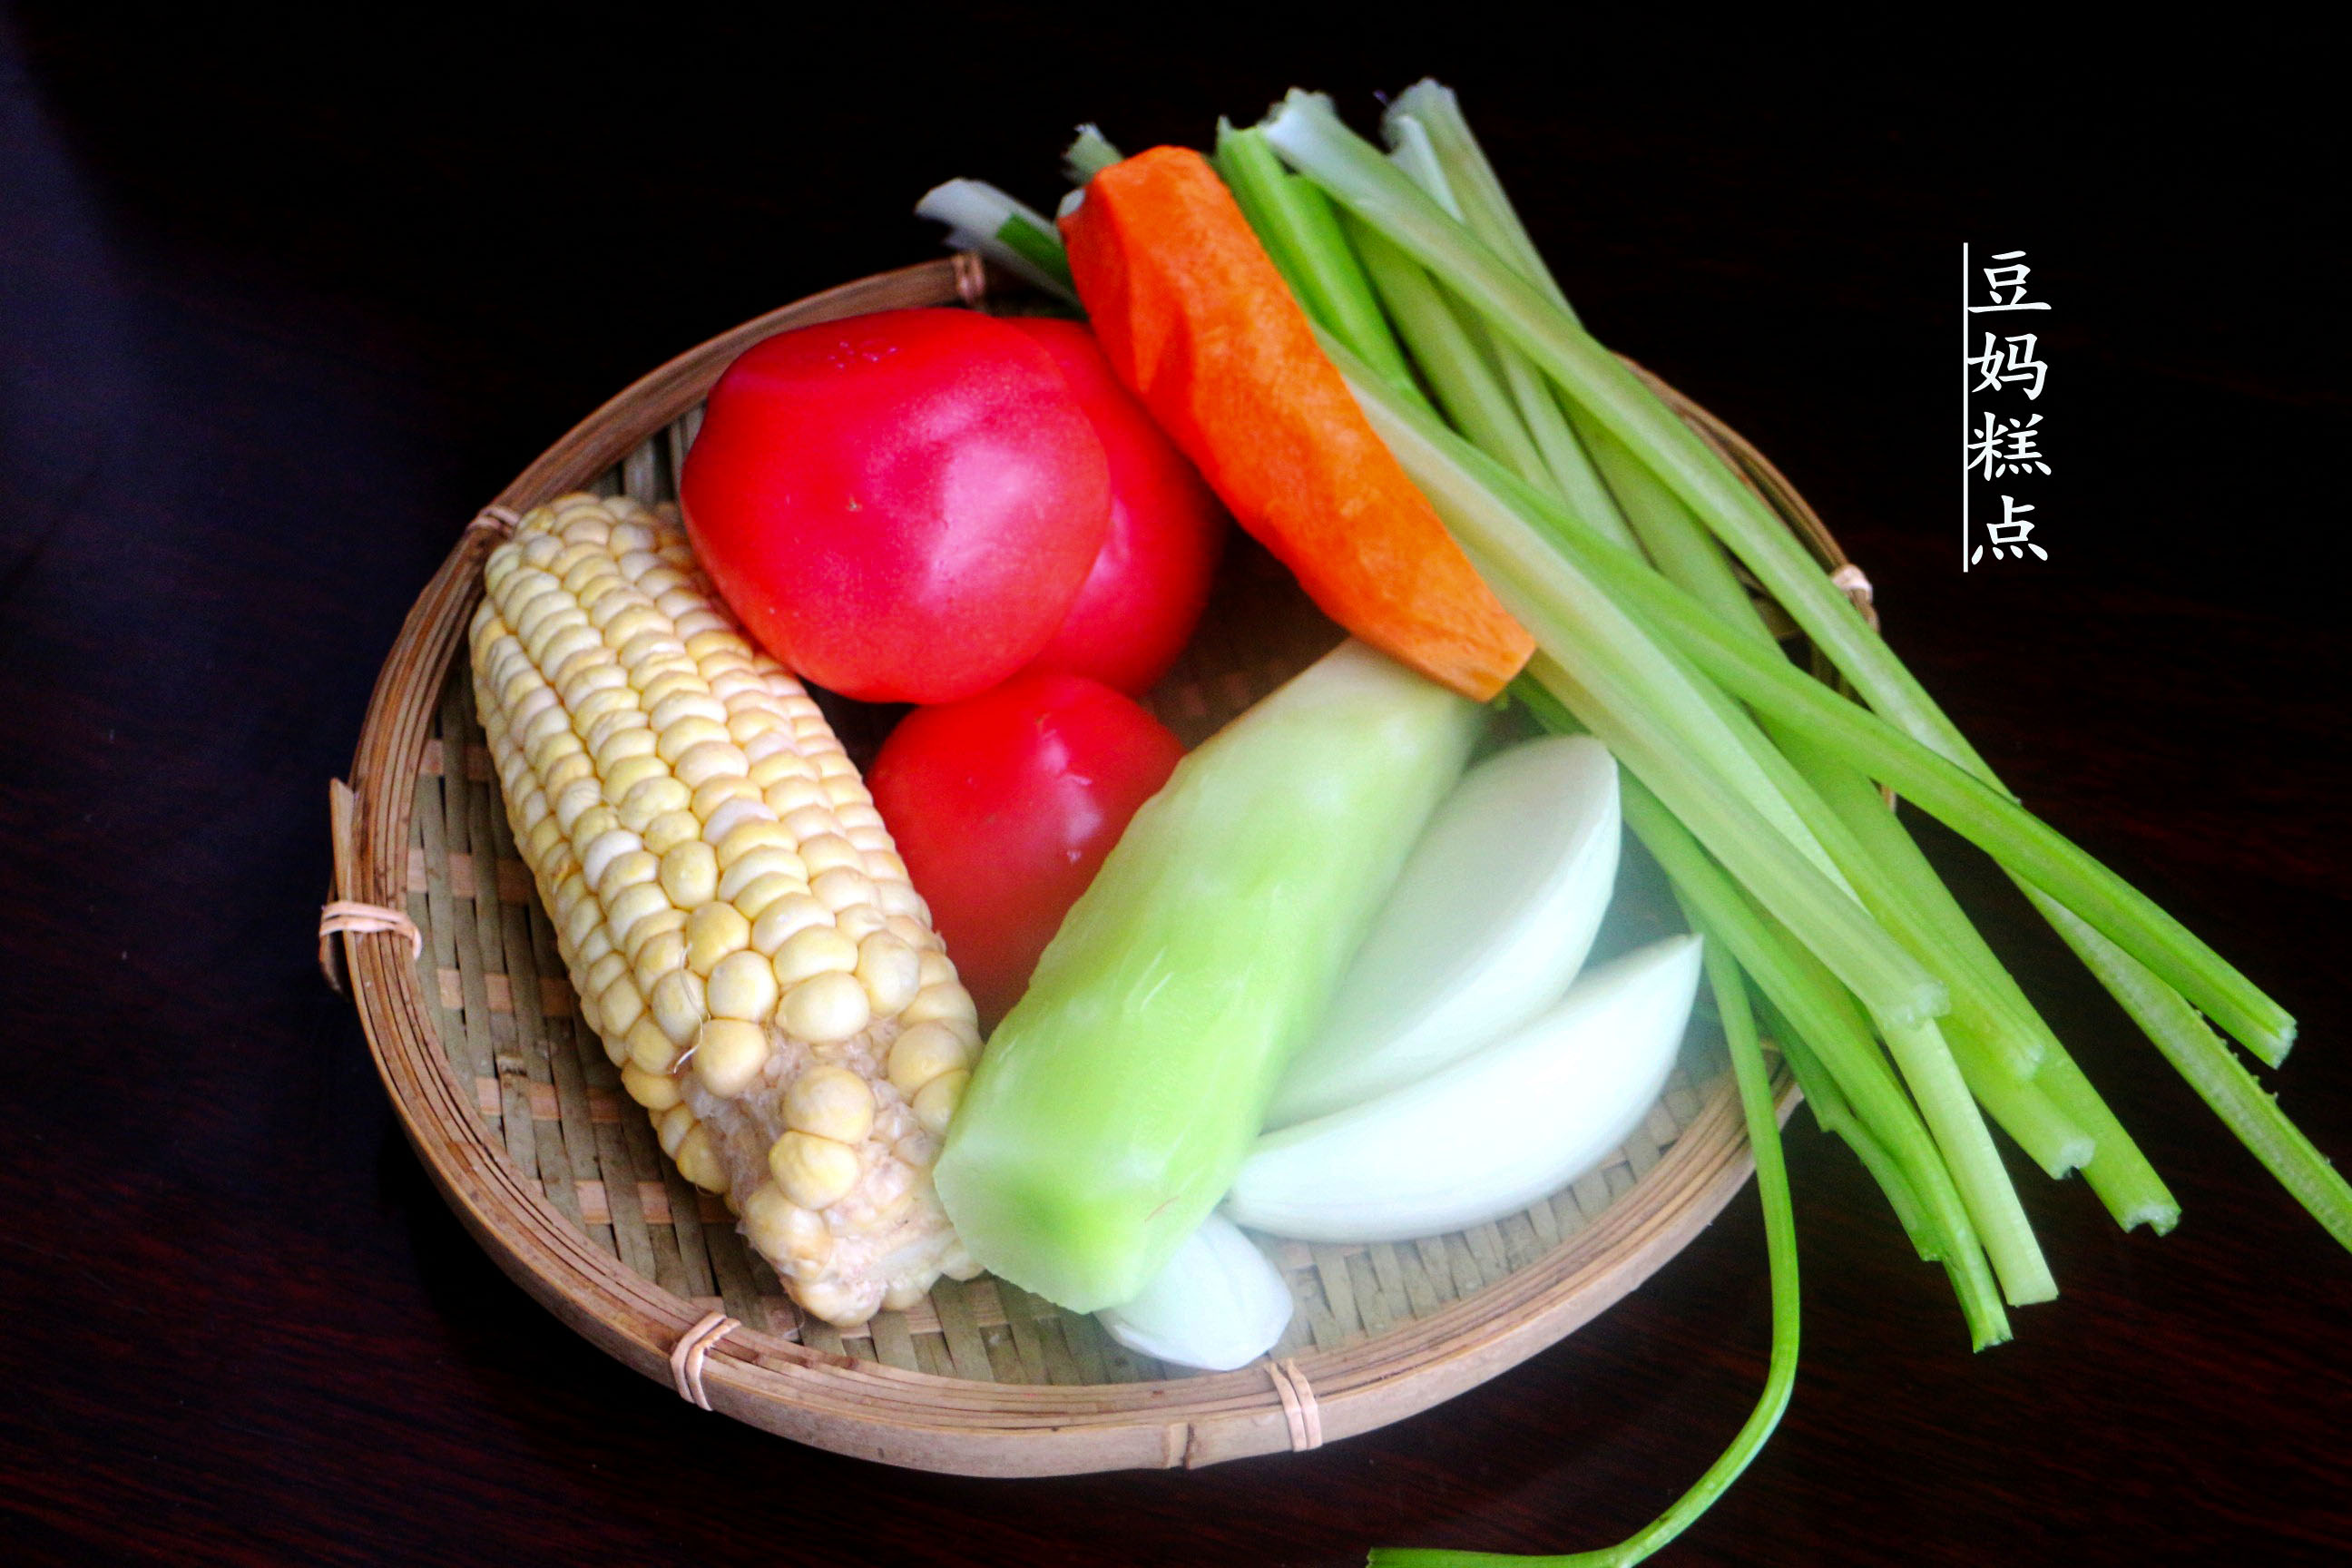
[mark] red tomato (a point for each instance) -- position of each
(1003, 806)
(1145, 594)
(899, 506)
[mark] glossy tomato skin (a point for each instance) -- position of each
(1140, 603)
(1003, 806)
(899, 506)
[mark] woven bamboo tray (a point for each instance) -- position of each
(518, 1117)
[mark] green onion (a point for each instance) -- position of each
(1017, 237)
(1754, 1081)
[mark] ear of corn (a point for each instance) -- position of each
(741, 931)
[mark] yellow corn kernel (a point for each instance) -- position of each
(677, 1006)
(620, 1006)
(743, 984)
(751, 835)
(811, 951)
(768, 860)
(712, 932)
(842, 888)
(672, 828)
(891, 971)
(656, 1091)
(935, 1103)
(830, 1102)
(673, 1125)
(649, 1048)
(657, 956)
(922, 1052)
(729, 1054)
(785, 919)
(824, 1008)
(753, 899)
(697, 1160)
(946, 1002)
(689, 874)
(782, 1229)
(814, 1172)
(651, 930)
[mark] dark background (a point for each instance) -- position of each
(282, 304)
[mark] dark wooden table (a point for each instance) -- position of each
(278, 308)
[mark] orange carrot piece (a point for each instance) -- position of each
(1200, 325)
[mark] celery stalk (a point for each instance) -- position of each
(2099, 912)
(1570, 470)
(1455, 366)
(1311, 138)
(1479, 199)
(2027, 1113)
(2126, 1183)
(1990, 1002)
(1902, 894)
(1959, 1132)
(1088, 154)
(1833, 1113)
(1295, 222)
(1426, 115)
(1983, 993)
(2223, 1083)
(1619, 709)
(1804, 993)
(1115, 1102)
(1695, 761)
(1519, 520)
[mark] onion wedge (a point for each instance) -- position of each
(1217, 1305)
(1493, 1133)
(1487, 927)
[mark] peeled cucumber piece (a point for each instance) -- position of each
(1490, 1134)
(1218, 1304)
(1487, 925)
(1111, 1108)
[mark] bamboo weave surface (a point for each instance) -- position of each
(547, 1093)
(516, 1114)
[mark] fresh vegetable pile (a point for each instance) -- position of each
(1320, 977)
(1610, 531)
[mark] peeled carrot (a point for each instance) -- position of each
(1198, 324)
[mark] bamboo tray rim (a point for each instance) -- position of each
(867, 1408)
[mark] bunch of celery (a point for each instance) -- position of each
(1609, 529)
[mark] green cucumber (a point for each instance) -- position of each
(1115, 1102)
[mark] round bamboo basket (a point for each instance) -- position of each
(516, 1114)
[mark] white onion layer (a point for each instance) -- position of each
(1491, 1133)
(1487, 927)
(1217, 1305)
